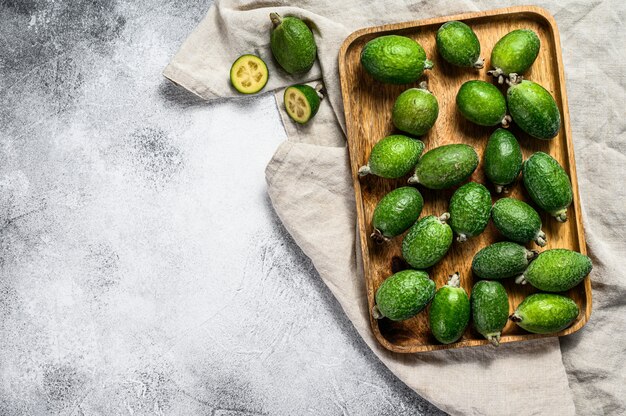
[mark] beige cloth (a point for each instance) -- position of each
(310, 187)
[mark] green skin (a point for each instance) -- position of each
(490, 309)
(393, 157)
(482, 103)
(445, 166)
(415, 111)
(311, 96)
(557, 270)
(394, 59)
(292, 44)
(533, 109)
(518, 221)
(403, 295)
(514, 53)
(545, 313)
(548, 185)
(502, 159)
(396, 212)
(502, 260)
(470, 209)
(449, 312)
(457, 44)
(427, 241)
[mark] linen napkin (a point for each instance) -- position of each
(309, 183)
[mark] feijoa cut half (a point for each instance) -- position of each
(249, 74)
(301, 102)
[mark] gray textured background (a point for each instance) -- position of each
(142, 269)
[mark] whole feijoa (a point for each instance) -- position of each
(449, 312)
(502, 260)
(490, 309)
(394, 59)
(518, 221)
(415, 111)
(482, 103)
(545, 313)
(458, 44)
(557, 270)
(502, 159)
(470, 209)
(292, 43)
(427, 241)
(445, 166)
(403, 295)
(548, 184)
(393, 156)
(396, 212)
(533, 109)
(514, 53)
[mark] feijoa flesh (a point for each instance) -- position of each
(301, 102)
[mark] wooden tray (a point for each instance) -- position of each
(367, 106)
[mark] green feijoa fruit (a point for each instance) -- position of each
(518, 221)
(502, 159)
(502, 260)
(301, 103)
(490, 309)
(415, 110)
(470, 209)
(249, 74)
(427, 241)
(458, 44)
(548, 184)
(482, 103)
(292, 44)
(393, 156)
(514, 53)
(545, 313)
(445, 166)
(556, 270)
(394, 59)
(403, 295)
(449, 312)
(533, 109)
(396, 212)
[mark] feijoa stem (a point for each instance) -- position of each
(276, 19)
(521, 280)
(413, 180)
(376, 313)
(541, 239)
(494, 338)
(497, 73)
(320, 90)
(378, 237)
(561, 215)
(455, 280)
(364, 170)
(423, 86)
(514, 79)
(531, 255)
(444, 217)
(479, 64)
(499, 188)
(428, 64)
(506, 121)
(461, 238)
(515, 318)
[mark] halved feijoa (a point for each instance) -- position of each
(249, 74)
(301, 102)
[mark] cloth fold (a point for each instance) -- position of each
(309, 184)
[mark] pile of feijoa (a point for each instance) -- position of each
(425, 241)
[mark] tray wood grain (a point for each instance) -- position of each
(367, 106)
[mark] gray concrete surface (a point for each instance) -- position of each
(142, 269)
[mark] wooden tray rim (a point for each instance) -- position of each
(542, 14)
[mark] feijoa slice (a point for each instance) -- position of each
(482, 103)
(458, 44)
(301, 102)
(249, 74)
